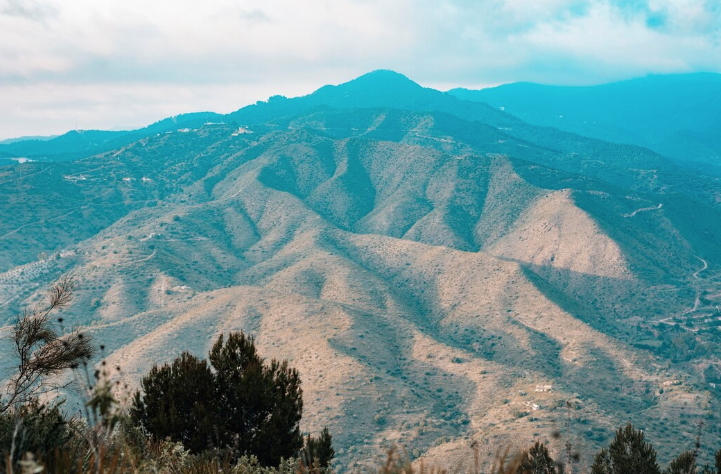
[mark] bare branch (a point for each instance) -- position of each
(40, 350)
(61, 353)
(61, 293)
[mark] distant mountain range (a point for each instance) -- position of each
(441, 271)
(678, 116)
(78, 144)
(27, 139)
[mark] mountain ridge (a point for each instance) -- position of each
(424, 270)
(674, 115)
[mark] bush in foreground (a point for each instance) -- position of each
(537, 460)
(628, 453)
(33, 428)
(244, 405)
(318, 452)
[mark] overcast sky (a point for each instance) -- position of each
(114, 64)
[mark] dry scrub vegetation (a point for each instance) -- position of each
(237, 414)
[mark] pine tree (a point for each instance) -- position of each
(627, 454)
(685, 463)
(318, 451)
(537, 460)
(262, 403)
(602, 463)
(718, 461)
(239, 402)
(178, 403)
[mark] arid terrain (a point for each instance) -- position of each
(440, 272)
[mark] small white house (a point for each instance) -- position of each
(70, 177)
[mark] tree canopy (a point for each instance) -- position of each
(239, 402)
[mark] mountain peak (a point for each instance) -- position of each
(384, 77)
(380, 82)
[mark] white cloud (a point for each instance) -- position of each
(602, 43)
(50, 108)
(78, 57)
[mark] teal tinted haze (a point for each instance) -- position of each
(102, 64)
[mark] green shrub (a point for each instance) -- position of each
(318, 452)
(36, 428)
(178, 403)
(627, 454)
(537, 460)
(685, 463)
(245, 405)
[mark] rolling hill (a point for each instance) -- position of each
(78, 144)
(440, 272)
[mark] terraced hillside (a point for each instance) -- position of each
(438, 278)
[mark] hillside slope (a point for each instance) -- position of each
(425, 272)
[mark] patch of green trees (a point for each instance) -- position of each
(628, 453)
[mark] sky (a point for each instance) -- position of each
(118, 64)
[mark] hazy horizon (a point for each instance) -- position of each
(102, 64)
(143, 123)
